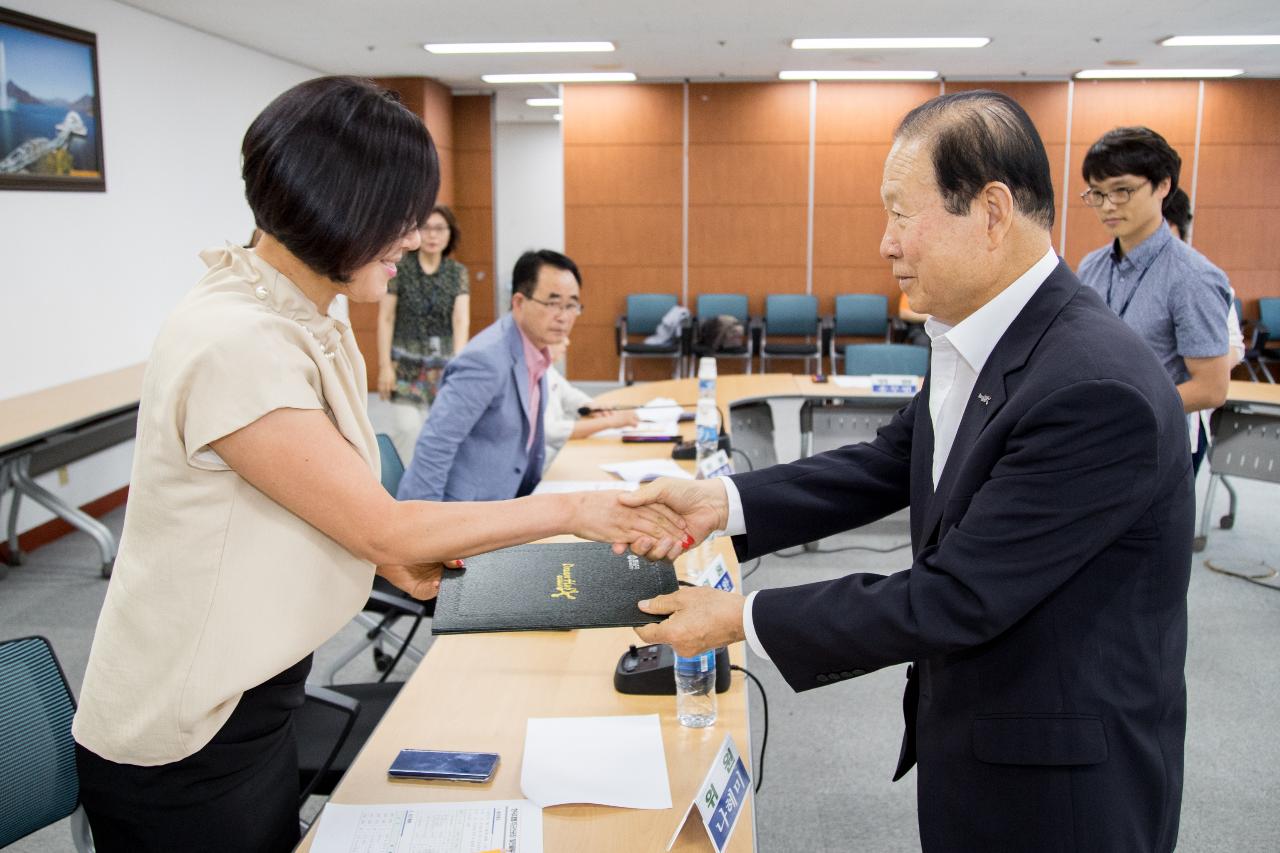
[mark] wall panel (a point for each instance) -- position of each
(1237, 212)
(472, 131)
(623, 152)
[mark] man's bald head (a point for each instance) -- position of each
(976, 138)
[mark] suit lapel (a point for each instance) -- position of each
(990, 391)
(519, 372)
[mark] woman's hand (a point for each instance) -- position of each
(625, 418)
(386, 380)
(422, 581)
(602, 517)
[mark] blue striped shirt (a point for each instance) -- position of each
(1168, 293)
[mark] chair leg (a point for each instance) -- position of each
(1202, 536)
(1248, 365)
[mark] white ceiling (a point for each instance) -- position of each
(703, 40)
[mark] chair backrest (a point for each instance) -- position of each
(903, 359)
(715, 304)
(646, 310)
(38, 784)
(1269, 315)
(392, 467)
(1239, 309)
(790, 314)
(862, 314)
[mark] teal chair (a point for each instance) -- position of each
(722, 304)
(902, 359)
(791, 316)
(644, 312)
(1269, 321)
(38, 782)
(858, 315)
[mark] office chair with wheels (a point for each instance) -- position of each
(901, 359)
(858, 315)
(38, 784)
(644, 312)
(794, 316)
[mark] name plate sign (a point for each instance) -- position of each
(720, 797)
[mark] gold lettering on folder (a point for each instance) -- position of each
(565, 587)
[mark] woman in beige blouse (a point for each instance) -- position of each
(256, 520)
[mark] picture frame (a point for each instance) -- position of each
(50, 106)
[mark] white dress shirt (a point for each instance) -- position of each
(958, 356)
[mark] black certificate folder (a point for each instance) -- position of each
(548, 587)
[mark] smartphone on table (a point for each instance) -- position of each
(443, 764)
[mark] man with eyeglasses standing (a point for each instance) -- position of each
(1163, 289)
(484, 440)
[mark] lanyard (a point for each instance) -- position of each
(1134, 292)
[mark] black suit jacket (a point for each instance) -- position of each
(1045, 608)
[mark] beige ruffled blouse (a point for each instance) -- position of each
(217, 588)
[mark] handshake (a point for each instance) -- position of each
(661, 520)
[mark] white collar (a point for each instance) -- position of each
(976, 336)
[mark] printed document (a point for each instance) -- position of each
(482, 826)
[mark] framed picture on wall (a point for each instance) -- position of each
(50, 109)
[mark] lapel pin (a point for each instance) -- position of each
(984, 398)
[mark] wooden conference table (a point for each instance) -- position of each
(475, 692)
(47, 429)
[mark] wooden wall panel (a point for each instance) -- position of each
(748, 189)
(853, 134)
(1237, 212)
(622, 195)
(472, 135)
(748, 176)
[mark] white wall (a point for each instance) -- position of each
(87, 278)
(529, 195)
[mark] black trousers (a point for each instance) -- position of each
(238, 793)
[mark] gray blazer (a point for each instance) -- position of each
(472, 447)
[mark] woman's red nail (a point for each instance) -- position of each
(687, 542)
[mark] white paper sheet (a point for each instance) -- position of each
(659, 409)
(508, 826)
(852, 381)
(638, 470)
(609, 761)
(557, 487)
(663, 427)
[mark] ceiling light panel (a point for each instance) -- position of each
(1220, 41)
(1156, 73)
(857, 75)
(544, 102)
(523, 47)
(888, 43)
(564, 77)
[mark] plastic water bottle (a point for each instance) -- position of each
(696, 690)
(707, 419)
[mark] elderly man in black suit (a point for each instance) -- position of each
(1044, 613)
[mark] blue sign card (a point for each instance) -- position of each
(720, 797)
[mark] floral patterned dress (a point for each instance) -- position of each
(424, 310)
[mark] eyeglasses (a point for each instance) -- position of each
(435, 229)
(1117, 196)
(574, 308)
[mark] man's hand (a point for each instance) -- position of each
(422, 581)
(703, 506)
(601, 516)
(386, 380)
(700, 618)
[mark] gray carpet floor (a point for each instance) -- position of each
(831, 752)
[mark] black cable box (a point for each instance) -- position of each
(650, 671)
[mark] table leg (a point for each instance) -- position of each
(24, 484)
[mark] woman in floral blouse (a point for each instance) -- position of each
(426, 312)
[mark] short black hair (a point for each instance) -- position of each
(1132, 151)
(455, 234)
(524, 278)
(337, 170)
(1177, 209)
(978, 137)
